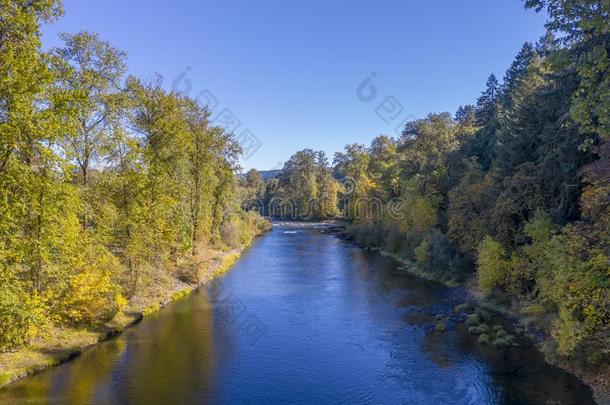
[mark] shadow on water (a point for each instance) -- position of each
(304, 318)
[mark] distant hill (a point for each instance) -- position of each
(269, 174)
(265, 174)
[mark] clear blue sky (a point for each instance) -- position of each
(289, 70)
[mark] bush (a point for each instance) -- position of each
(15, 314)
(483, 314)
(393, 240)
(504, 341)
(500, 333)
(438, 257)
(421, 254)
(484, 338)
(89, 296)
(231, 233)
(473, 319)
(423, 215)
(584, 308)
(239, 229)
(482, 328)
(491, 265)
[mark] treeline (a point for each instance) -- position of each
(516, 186)
(107, 182)
(304, 189)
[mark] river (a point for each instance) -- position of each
(304, 317)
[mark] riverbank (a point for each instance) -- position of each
(295, 289)
(59, 345)
(598, 380)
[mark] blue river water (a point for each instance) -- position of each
(304, 318)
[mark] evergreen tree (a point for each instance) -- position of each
(482, 145)
(466, 115)
(515, 73)
(488, 103)
(521, 129)
(583, 29)
(545, 44)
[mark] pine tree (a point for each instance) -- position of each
(515, 73)
(487, 103)
(521, 129)
(466, 115)
(546, 44)
(583, 29)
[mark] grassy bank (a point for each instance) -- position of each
(62, 344)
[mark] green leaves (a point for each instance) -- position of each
(15, 312)
(101, 182)
(305, 189)
(492, 265)
(582, 27)
(90, 72)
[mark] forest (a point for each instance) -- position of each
(109, 184)
(112, 186)
(510, 194)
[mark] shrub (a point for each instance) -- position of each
(423, 215)
(491, 264)
(438, 257)
(15, 314)
(482, 328)
(231, 233)
(89, 295)
(240, 228)
(421, 254)
(504, 341)
(501, 333)
(473, 319)
(483, 314)
(500, 342)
